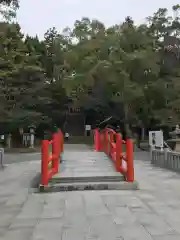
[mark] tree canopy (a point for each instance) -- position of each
(128, 70)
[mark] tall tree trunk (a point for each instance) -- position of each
(127, 127)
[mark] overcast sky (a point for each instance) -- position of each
(36, 16)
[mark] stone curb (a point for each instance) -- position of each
(82, 186)
(56, 180)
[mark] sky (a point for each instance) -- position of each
(36, 16)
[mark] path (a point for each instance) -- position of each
(151, 213)
(87, 164)
(87, 170)
(84, 162)
(20, 157)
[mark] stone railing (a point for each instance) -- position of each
(1, 157)
(166, 159)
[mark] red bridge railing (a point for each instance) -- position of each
(50, 156)
(112, 144)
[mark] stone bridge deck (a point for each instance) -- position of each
(84, 169)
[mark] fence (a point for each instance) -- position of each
(112, 144)
(166, 159)
(1, 157)
(50, 157)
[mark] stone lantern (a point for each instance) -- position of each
(32, 131)
(175, 141)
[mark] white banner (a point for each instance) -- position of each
(88, 127)
(156, 139)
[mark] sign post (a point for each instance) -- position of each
(87, 130)
(156, 139)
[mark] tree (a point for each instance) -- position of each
(8, 8)
(104, 72)
(121, 65)
(22, 80)
(120, 70)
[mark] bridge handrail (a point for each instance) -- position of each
(50, 156)
(111, 142)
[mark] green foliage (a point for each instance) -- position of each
(95, 67)
(21, 79)
(8, 9)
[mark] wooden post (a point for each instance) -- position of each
(61, 141)
(118, 152)
(110, 144)
(55, 152)
(106, 141)
(44, 162)
(96, 140)
(130, 160)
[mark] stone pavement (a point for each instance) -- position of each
(20, 157)
(151, 213)
(86, 164)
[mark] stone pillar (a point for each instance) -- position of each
(151, 154)
(8, 141)
(31, 140)
(32, 137)
(165, 157)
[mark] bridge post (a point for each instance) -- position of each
(130, 160)
(62, 141)
(118, 152)
(106, 142)
(55, 151)
(44, 162)
(110, 145)
(97, 147)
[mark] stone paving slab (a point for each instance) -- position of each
(83, 186)
(88, 179)
(15, 189)
(84, 215)
(86, 164)
(151, 213)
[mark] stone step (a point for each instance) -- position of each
(83, 186)
(88, 179)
